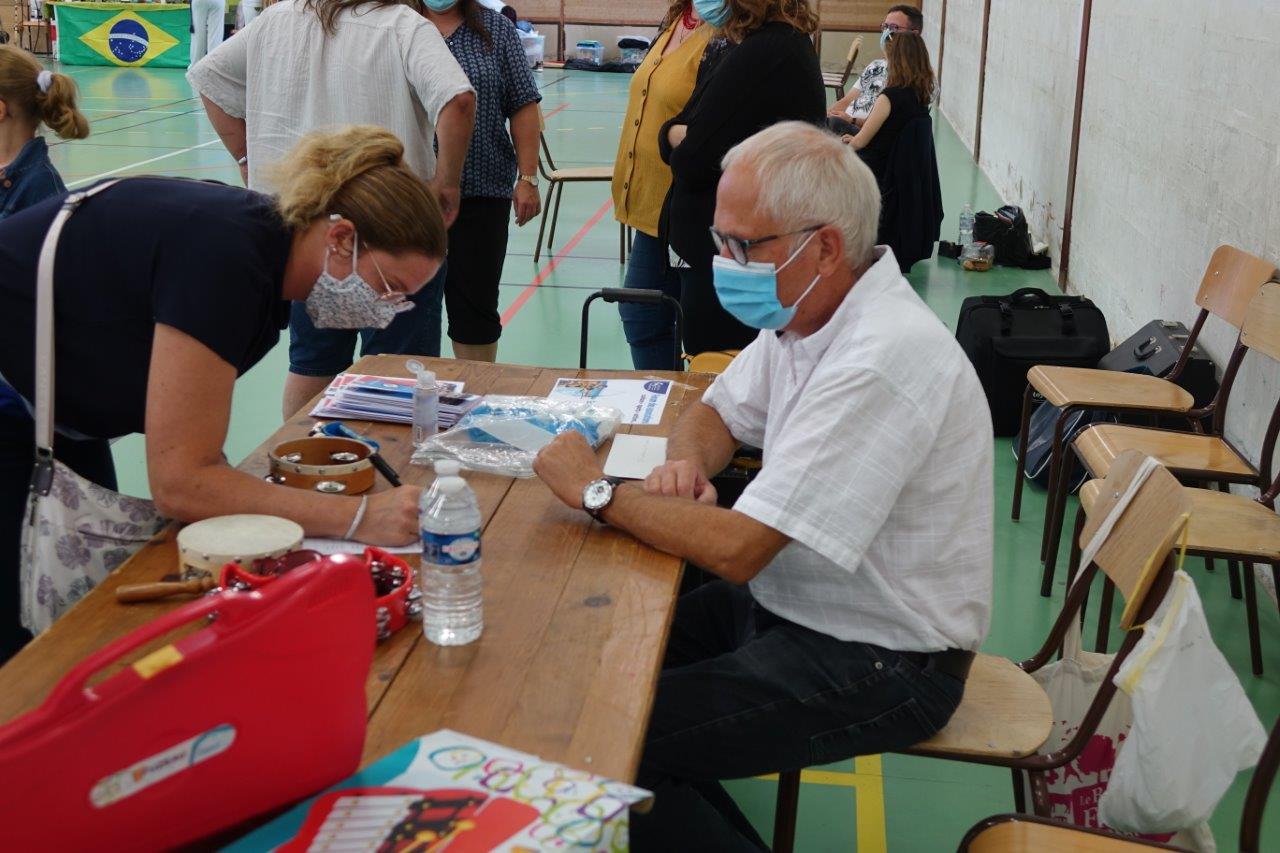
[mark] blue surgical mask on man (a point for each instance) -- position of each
(440, 5)
(886, 36)
(714, 12)
(750, 292)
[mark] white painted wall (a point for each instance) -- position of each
(960, 63)
(1179, 150)
(1032, 51)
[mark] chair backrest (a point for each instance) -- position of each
(855, 47)
(1261, 333)
(1142, 538)
(713, 361)
(1230, 282)
(1255, 801)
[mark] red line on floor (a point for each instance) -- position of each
(557, 110)
(546, 271)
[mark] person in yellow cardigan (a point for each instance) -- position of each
(660, 88)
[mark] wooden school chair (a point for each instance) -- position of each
(1005, 717)
(1015, 833)
(1233, 527)
(556, 179)
(1229, 286)
(838, 80)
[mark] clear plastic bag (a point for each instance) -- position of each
(504, 434)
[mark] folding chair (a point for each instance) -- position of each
(837, 80)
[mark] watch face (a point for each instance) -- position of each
(597, 494)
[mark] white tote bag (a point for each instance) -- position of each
(74, 532)
(1193, 730)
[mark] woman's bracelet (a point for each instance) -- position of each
(355, 522)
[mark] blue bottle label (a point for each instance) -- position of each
(450, 549)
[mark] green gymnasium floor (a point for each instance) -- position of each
(146, 121)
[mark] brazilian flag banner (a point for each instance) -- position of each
(126, 34)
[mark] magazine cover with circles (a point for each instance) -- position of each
(451, 792)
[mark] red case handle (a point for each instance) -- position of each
(70, 693)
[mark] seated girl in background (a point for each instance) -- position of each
(30, 96)
(906, 95)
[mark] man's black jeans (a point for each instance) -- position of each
(744, 692)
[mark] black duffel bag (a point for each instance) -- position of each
(1005, 336)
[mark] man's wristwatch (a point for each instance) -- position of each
(532, 180)
(597, 496)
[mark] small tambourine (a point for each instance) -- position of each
(334, 466)
(206, 546)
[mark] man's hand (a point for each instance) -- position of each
(450, 197)
(681, 479)
(567, 465)
(526, 202)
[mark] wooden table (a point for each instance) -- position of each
(576, 613)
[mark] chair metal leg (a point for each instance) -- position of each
(555, 215)
(1251, 609)
(542, 229)
(1019, 793)
(1073, 563)
(1104, 616)
(1059, 498)
(622, 244)
(1020, 472)
(1233, 578)
(785, 811)
(1057, 468)
(1039, 793)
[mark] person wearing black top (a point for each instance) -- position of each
(770, 73)
(905, 97)
(152, 327)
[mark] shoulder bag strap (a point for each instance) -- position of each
(42, 476)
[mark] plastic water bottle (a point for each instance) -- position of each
(426, 403)
(452, 604)
(966, 225)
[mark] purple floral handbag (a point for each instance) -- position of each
(75, 532)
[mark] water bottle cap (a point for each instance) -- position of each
(426, 378)
(448, 467)
(451, 485)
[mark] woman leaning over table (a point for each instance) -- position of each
(168, 290)
(660, 88)
(770, 74)
(497, 175)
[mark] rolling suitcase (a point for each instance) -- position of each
(1155, 350)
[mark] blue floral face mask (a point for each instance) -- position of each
(750, 292)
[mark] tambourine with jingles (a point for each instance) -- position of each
(334, 466)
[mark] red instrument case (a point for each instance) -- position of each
(262, 706)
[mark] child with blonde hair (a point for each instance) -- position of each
(30, 96)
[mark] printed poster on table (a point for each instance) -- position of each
(640, 400)
(452, 792)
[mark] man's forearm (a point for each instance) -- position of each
(701, 437)
(453, 134)
(728, 543)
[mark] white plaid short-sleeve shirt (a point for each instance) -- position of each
(878, 466)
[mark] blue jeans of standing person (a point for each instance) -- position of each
(650, 329)
(327, 352)
(744, 692)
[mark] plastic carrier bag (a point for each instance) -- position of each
(503, 435)
(1193, 727)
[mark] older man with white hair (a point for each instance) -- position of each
(857, 566)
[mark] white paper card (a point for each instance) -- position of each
(632, 457)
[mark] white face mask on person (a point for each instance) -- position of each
(352, 303)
